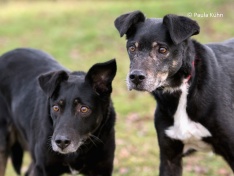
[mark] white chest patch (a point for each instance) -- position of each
(186, 130)
(73, 171)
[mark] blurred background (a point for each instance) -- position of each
(81, 33)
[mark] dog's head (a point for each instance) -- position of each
(156, 48)
(78, 104)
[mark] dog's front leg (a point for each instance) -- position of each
(36, 170)
(170, 152)
(37, 167)
(170, 157)
(3, 160)
(170, 164)
(4, 147)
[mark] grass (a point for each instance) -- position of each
(81, 33)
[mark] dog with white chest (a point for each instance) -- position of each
(193, 85)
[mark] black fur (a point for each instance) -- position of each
(65, 119)
(210, 95)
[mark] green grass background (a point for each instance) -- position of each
(81, 33)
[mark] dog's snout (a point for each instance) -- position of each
(62, 142)
(137, 76)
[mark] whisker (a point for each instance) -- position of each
(49, 144)
(96, 138)
(92, 140)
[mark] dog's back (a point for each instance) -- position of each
(222, 49)
(21, 67)
(219, 61)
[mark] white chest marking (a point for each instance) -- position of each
(73, 171)
(186, 130)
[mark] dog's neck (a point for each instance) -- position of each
(187, 80)
(190, 75)
(107, 109)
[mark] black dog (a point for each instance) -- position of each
(192, 83)
(65, 119)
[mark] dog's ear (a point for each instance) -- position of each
(101, 75)
(50, 81)
(125, 23)
(180, 27)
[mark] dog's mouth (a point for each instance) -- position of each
(136, 87)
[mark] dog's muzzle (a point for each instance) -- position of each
(139, 80)
(65, 144)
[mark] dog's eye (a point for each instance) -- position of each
(56, 108)
(132, 48)
(84, 109)
(162, 50)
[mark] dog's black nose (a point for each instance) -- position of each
(62, 142)
(137, 76)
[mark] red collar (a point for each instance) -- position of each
(190, 75)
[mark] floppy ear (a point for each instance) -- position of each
(50, 81)
(101, 75)
(125, 23)
(180, 27)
